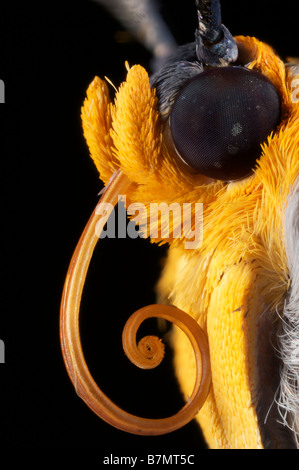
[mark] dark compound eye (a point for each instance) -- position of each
(221, 118)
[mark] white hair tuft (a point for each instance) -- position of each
(288, 336)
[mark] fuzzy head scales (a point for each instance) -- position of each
(128, 134)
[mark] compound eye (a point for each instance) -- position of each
(220, 119)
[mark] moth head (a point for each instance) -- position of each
(216, 125)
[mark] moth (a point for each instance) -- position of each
(212, 137)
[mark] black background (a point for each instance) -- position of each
(50, 52)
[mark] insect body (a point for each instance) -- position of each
(217, 125)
